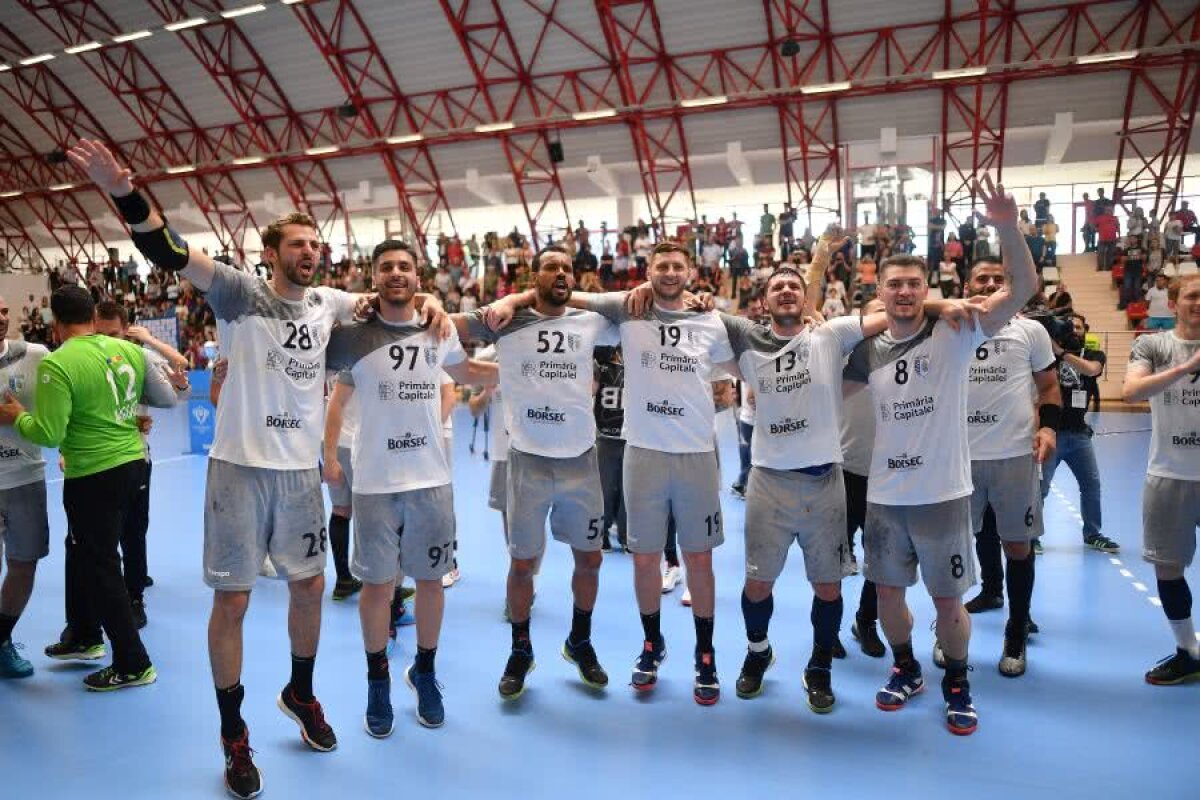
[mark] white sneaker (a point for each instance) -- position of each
(687, 598)
(671, 577)
(450, 578)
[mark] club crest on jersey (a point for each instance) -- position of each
(114, 360)
(802, 350)
(528, 369)
(430, 357)
(16, 383)
(274, 360)
(648, 360)
(921, 365)
(574, 342)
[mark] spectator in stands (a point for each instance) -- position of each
(787, 221)
(766, 224)
(1173, 238)
(1041, 210)
(1131, 282)
(1108, 229)
(937, 235)
(1089, 224)
(866, 280)
(1161, 316)
(948, 277)
(1050, 235)
(1061, 301)
(1188, 219)
(954, 253)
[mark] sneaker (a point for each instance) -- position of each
(645, 669)
(242, 778)
(583, 656)
(738, 491)
(1102, 543)
(450, 578)
(70, 650)
(1175, 669)
(900, 687)
(109, 680)
(314, 730)
(379, 719)
(984, 602)
(1037, 547)
(512, 682)
(839, 650)
(750, 682)
(961, 718)
(428, 691)
(707, 688)
(1012, 660)
(671, 577)
(819, 688)
(346, 588)
(138, 607)
(868, 638)
(11, 663)
(686, 598)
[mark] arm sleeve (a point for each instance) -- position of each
(454, 353)
(344, 304)
(53, 403)
(737, 329)
(478, 329)
(847, 330)
(610, 305)
(346, 377)
(720, 349)
(1041, 350)
(231, 294)
(341, 344)
(1144, 353)
(157, 391)
(858, 368)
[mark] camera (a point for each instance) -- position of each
(1061, 329)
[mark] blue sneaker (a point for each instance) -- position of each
(11, 663)
(425, 686)
(645, 669)
(961, 718)
(900, 687)
(379, 720)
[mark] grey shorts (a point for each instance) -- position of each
(498, 488)
(1170, 516)
(24, 529)
(1013, 488)
(659, 485)
(343, 496)
(566, 489)
(252, 515)
(784, 507)
(936, 536)
(411, 532)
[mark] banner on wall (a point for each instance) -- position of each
(165, 329)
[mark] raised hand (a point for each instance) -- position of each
(101, 167)
(1001, 207)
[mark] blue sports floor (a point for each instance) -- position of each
(1081, 723)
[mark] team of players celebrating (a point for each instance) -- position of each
(962, 396)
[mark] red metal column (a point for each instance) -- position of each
(644, 70)
(808, 128)
(354, 57)
(505, 84)
(171, 135)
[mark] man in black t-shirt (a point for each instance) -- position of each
(610, 447)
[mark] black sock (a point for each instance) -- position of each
(868, 603)
(581, 626)
(377, 665)
(704, 634)
(650, 627)
(302, 677)
(902, 655)
(339, 541)
(826, 618)
(520, 636)
(7, 624)
(757, 617)
(672, 556)
(1176, 598)
(229, 703)
(424, 660)
(955, 671)
(991, 563)
(1020, 591)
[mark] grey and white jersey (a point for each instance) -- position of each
(546, 365)
(1000, 397)
(20, 461)
(272, 402)
(919, 389)
(397, 374)
(797, 383)
(1174, 413)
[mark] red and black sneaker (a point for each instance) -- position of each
(242, 778)
(310, 717)
(706, 689)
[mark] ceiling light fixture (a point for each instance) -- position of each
(599, 113)
(132, 37)
(184, 24)
(82, 48)
(701, 102)
(234, 13)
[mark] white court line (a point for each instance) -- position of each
(1116, 561)
(1141, 587)
(1126, 573)
(1154, 601)
(156, 462)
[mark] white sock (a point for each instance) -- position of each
(1185, 635)
(760, 647)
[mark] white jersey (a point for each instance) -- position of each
(20, 461)
(919, 390)
(1000, 397)
(350, 413)
(448, 424)
(1174, 413)
(272, 402)
(669, 368)
(858, 432)
(798, 389)
(397, 372)
(546, 366)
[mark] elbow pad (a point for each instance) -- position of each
(163, 247)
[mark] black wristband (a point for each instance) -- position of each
(1049, 416)
(133, 207)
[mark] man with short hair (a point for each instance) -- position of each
(24, 529)
(918, 511)
(402, 497)
(1161, 316)
(1165, 369)
(546, 367)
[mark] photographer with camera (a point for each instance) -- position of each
(1077, 366)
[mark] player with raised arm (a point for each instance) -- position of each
(263, 492)
(403, 503)
(1165, 369)
(918, 496)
